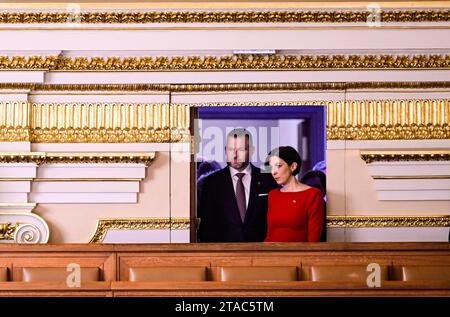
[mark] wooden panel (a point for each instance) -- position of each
(126, 262)
(299, 288)
(98, 289)
(107, 269)
(114, 261)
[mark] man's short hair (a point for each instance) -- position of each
(238, 132)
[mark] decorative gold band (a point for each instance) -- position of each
(225, 87)
(227, 62)
(387, 221)
(145, 17)
(93, 122)
(103, 225)
(405, 119)
(84, 122)
(72, 158)
(395, 156)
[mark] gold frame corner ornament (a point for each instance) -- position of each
(106, 224)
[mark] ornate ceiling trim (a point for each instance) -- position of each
(405, 119)
(226, 62)
(93, 122)
(233, 16)
(225, 87)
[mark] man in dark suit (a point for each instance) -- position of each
(233, 205)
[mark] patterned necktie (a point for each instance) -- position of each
(240, 196)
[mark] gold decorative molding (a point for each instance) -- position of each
(401, 156)
(28, 62)
(226, 87)
(304, 86)
(101, 135)
(7, 230)
(73, 158)
(29, 157)
(104, 225)
(413, 177)
(93, 122)
(388, 119)
(247, 16)
(14, 134)
(226, 62)
(43, 180)
(405, 119)
(387, 221)
(89, 87)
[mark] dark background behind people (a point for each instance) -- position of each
(318, 180)
(205, 169)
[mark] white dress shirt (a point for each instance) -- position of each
(246, 180)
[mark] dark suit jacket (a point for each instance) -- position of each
(219, 214)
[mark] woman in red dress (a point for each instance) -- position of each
(296, 211)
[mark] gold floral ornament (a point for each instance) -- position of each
(28, 62)
(336, 16)
(226, 62)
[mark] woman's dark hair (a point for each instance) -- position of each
(310, 175)
(287, 154)
(207, 167)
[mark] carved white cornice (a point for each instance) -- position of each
(71, 177)
(409, 175)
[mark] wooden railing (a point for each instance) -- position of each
(256, 269)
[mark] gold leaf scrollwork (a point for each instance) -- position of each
(226, 62)
(405, 119)
(387, 221)
(7, 230)
(280, 16)
(403, 157)
(104, 225)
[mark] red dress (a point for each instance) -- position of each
(295, 216)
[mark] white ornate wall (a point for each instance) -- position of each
(113, 88)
